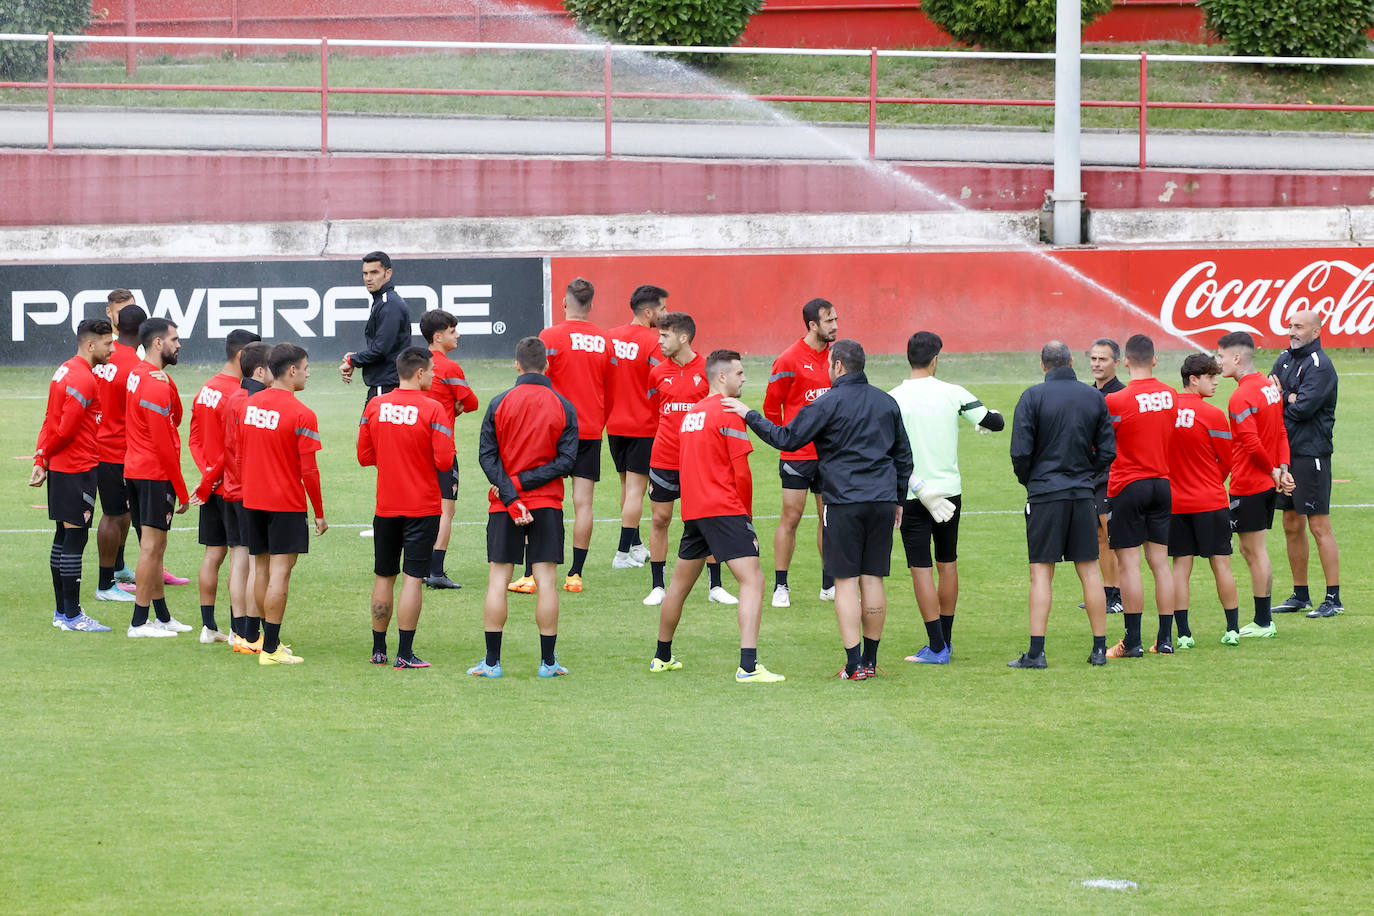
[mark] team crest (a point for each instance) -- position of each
(169, 519)
(87, 516)
(696, 380)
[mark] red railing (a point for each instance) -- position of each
(608, 94)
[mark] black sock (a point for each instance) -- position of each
(1099, 642)
(1333, 594)
(252, 628)
(106, 578)
(379, 642)
(73, 548)
(935, 635)
(870, 653)
(207, 616)
(656, 570)
(546, 646)
(406, 646)
(713, 571)
(1232, 618)
(55, 567)
(1132, 631)
(1300, 592)
(664, 652)
(160, 609)
(636, 542)
(436, 562)
(851, 658)
(119, 558)
(1263, 617)
(749, 659)
(626, 539)
(140, 615)
(779, 578)
(947, 627)
(237, 625)
(493, 647)
(1166, 629)
(827, 580)
(579, 557)
(1181, 621)
(271, 637)
(1037, 647)
(529, 570)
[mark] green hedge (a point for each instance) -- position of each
(29, 60)
(717, 23)
(1292, 28)
(1004, 25)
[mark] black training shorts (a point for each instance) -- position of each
(1253, 512)
(114, 492)
(857, 539)
(233, 523)
(1200, 534)
(271, 532)
(630, 454)
(1104, 507)
(153, 503)
(728, 537)
(1139, 513)
(1062, 529)
(664, 485)
(394, 536)
(448, 482)
(71, 496)
(213, 531)
(919, 529)
(506, 541)
(588, 463)
(800, 475)
(1313, 495)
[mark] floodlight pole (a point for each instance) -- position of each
(1067, 196)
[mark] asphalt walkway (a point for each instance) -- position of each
(161, 129)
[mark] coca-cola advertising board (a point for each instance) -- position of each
(1000, 301)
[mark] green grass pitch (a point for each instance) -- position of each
(167, 776)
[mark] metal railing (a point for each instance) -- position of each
(608, 94)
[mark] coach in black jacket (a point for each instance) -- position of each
(1308, 379)
(1061, 439)
(387, 332)
(865, 466)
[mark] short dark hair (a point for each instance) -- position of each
(253, 357)
(237, 340)
(1236, 339)
(531, 355)
(1199, 364)
(582, 291)
(411, 360)
(378, 257)
(434, 321)
(119, 295)
(93, 327)
(679, 323)
(131, 318)
(646, 295)
(812, 311)
(1140, 349)
(922, 349)
(152, 329)
(718, 359)
(284, 356)
(1056, 355)
(848, 353)
(1106, 342)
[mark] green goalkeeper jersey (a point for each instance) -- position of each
(931, 410)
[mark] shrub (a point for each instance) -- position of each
(29, 60)
(718, 23)
(1004, 25)
(1291, 28)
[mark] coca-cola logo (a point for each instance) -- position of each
(1338, 290)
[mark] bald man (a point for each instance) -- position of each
(1308, 380)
